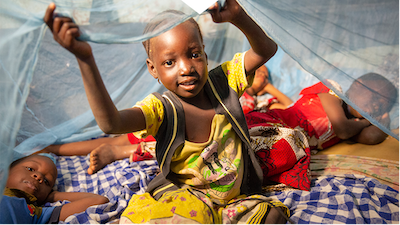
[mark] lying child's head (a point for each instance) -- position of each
(177, 57)
(373, 93)
(260, 79)
(34, 174)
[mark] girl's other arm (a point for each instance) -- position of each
(282, 98)
(109, 119)
(79, 201)
(343, 127)
(262, 47)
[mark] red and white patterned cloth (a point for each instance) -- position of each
(286, 136)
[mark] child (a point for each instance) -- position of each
(327, 119)
(202, 139)
(371, 92)
(261, 85)
(106, 150)
(29, 185)
(283, 138)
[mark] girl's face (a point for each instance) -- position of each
(179, 60)
(35, 175)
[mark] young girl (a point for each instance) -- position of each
(202, 138)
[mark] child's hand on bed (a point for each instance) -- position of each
(50, 197)
(65, 32)
(79, 201)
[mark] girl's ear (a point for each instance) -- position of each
(150, 67)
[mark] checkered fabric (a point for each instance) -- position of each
(117, 181)
(332, 199)
(349, 199)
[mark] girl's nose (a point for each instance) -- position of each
(38, 176)
(185, 67)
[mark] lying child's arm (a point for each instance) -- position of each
(262, 47)
(282, 98)
(372, 135)
(343, 127)
(360, 130)
(79, 201)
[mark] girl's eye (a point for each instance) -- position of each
(195, 55)
(168, 63)
(46, 181)
(30, 169)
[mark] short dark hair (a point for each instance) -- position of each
(375, 83)
(16, 162)
(161, 19)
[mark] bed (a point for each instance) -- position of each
(344, 189)
(118, 181)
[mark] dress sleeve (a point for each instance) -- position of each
(153, 111)
(236, 74)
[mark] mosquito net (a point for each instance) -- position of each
(42, 96)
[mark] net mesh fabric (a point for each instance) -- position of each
(42, 96)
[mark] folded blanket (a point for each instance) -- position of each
(386, 171)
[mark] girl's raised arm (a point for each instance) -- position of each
(107, 116)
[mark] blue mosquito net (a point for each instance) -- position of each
(42, 96)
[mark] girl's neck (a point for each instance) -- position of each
(201, 100)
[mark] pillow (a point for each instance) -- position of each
(283, 154)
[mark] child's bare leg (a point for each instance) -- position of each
(85, 147)
(106, 153)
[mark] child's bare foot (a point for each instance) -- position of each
(101, 156)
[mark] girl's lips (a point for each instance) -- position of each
(189, 84)
(30, 185)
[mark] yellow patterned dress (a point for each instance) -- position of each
(210, 172)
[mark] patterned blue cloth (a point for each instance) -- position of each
(332, 199)
(117, 181)
(349, 199)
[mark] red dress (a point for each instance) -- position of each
(287, 158)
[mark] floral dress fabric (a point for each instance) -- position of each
(283, 138)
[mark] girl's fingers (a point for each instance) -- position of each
(68, 29)
(58, 23)
(213, 7)
(70, 36)
(48, 16)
